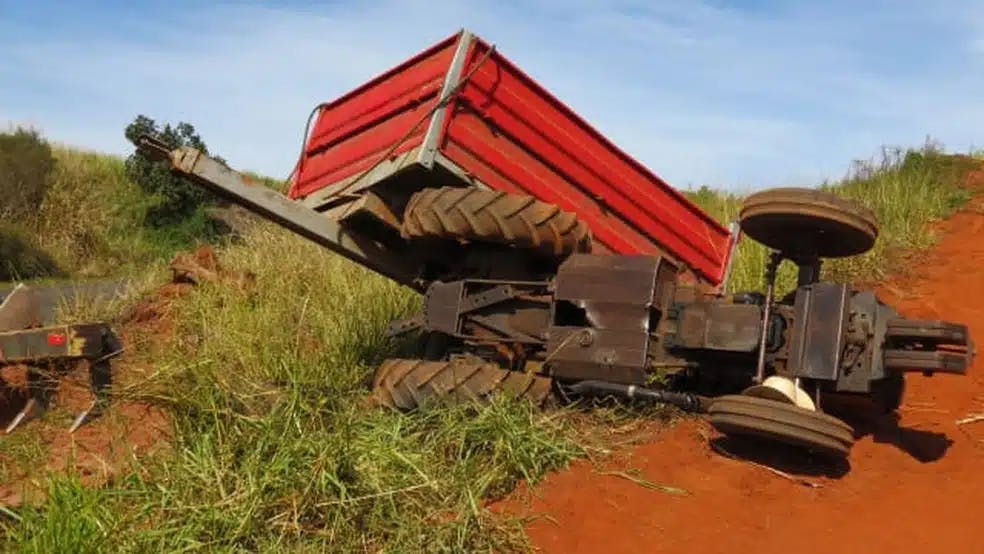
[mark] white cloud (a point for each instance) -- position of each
(700, 93)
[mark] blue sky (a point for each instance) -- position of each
(726, 93)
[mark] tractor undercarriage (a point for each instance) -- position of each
(628, 326)
(516, 303)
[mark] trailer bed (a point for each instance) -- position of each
(500, 129)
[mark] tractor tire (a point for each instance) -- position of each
(808, 222)
(777, 421)
(475, 214)
(410, 384)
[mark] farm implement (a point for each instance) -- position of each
(47, 352)
(555, 267)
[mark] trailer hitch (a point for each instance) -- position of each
(214, 175)
(153, 148)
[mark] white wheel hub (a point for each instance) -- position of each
(782, 389)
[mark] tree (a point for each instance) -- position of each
(177, 199)
(26, 166)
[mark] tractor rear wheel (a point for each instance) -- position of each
(781, 422)
(476, 214)
(409, 384)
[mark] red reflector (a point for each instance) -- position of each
(56, 339)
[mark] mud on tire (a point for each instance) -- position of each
(407, 384)
(493, 216)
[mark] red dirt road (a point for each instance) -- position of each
(912, 487)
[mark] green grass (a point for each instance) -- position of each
(76, 519)
(90, 225)
(907, 190)
(19, 454)
(275, 450)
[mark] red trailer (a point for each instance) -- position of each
(462, 114)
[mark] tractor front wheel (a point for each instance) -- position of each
(778, 421)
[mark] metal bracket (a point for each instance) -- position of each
(507, 333)
(403, 326)
(94, 342)
(820, 317)
(434, 128)
(483, 299)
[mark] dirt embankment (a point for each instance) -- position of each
(914, 485)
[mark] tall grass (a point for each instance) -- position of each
(90, 224)
(906, 189)
(275, 450)
(76, 520)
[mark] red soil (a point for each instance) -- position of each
(96, 452)
(105, 445)
(911, 486)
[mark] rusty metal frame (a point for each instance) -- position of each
(448, 306)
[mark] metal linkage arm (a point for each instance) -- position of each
(215, 176)
(928, 346)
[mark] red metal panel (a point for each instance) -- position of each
(513, 135)
(350, 133)
(359, 152)
(536, 144)
(511, 168)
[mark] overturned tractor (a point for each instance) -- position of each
(554, 267)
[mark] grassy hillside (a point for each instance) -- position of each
(90, 224)
(906, 189)
(275, 450)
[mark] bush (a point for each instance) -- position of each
(176, 199)
(26, 165)
(21, 257)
